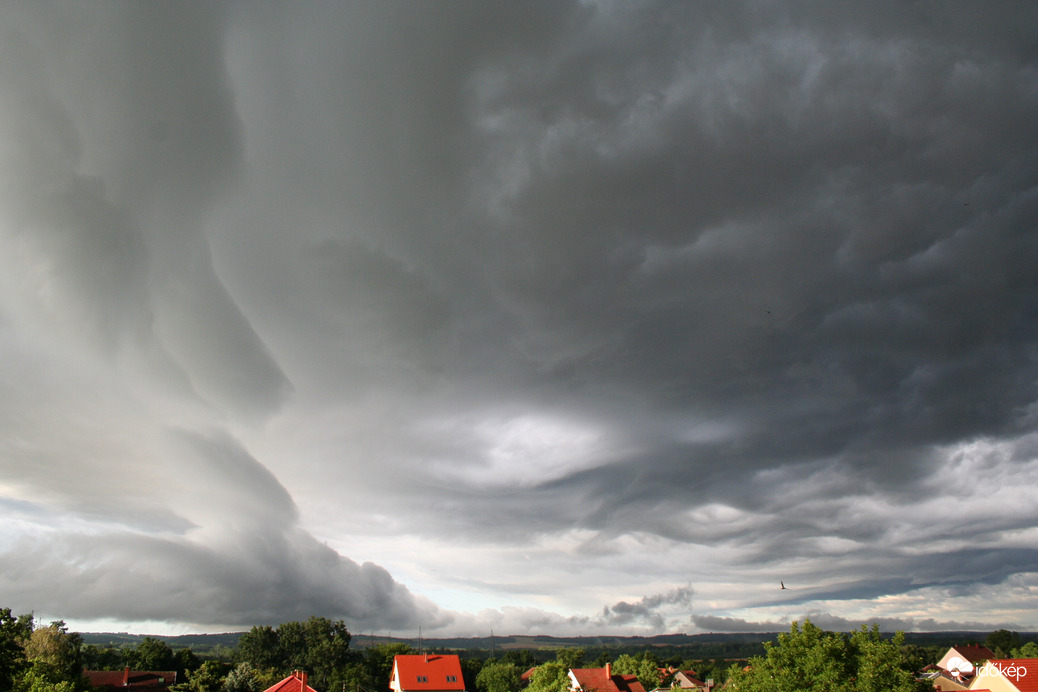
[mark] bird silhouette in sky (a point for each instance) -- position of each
(783, 586)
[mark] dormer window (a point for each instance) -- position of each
(452, 678)
(423, 678)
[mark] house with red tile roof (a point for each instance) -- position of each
(1007, 675)
(958, 655)
(687, 680)
(296, 682)
(426, 673)
(602, 680)
(524, 679)
(957, 668)
(151, 680)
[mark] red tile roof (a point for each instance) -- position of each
(296, 682)
(601, 680)
(974, 652)
(1022, 672)
(133, 679)
(427, 672)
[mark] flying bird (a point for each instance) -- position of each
(782, 585)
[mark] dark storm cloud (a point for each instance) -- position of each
(645, 610)
(120, 251)
(627, 296)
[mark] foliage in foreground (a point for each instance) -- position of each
(808, 659)
(39, 659)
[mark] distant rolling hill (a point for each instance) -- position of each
(712, 645)
(199, 643)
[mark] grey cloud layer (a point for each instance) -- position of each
(754, 282)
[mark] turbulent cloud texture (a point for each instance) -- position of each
(468, 315)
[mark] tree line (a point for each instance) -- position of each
(38, 658)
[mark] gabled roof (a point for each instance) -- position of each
(133, 679)
(602, 680)
(974, 652)
(296, 682)
(1021, 672)
(963, 659)
(687, 678)
(427, 672)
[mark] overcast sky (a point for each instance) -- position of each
(561, 317)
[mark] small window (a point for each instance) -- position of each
(452, 678)
(422, 678)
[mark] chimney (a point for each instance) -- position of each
(126, 676)
(302, 681)
(609, 670)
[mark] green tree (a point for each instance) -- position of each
(570, 658)
(1028, 650)
(880, 664)
(802, 660)
(378, 660)
(810, 659)
(102, 658)
(268, 677)
(355, 677)
(644, 666)
(1002, 642)
(470, 669)
(43, 677)
(56, 648)
(917, 657)
(259, 648)
(499, 677)
(186, 661)
(14, 631)
(319, 646)
(243, 678)
(550, 677)
(208, 677)
(523, 659)
(710, 670)
(151, 654)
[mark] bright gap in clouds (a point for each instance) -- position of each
(517, 451)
